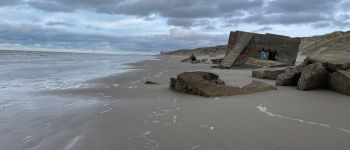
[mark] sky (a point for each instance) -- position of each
(127, 26)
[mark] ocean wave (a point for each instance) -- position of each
(114, 52)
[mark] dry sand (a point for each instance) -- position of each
(130, 115)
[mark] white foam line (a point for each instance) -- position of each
(172, 110)
(108, 110)
(72, 143)
(263, 109)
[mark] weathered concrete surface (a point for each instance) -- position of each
(313, 76)
(257, 86)
(340, 82)
(241, 43)
(268, 73)
(286, 47)
(289, 78)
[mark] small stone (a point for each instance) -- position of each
(151, 82)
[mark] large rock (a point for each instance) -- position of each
(340, 82)
(257, 86)
(209, 85)
(204, 84)
(313, 76)
(268, 73)
(289, 78)
(331, 62)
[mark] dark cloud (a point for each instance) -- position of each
(284, 19)
(181, 22)
(186, 13)
(9, 2)
(263, 29)
(301, 6)
(48, 37)
(51, 6)
(321, 25)
(58, 23)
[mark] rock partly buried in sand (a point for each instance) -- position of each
(209, 85)
(340, 82)
(204, 84)
(191, 59)
(257, 86)
(151, 82)
(313, 76)
(289, 78)
(268, 73)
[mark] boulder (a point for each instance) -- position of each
(191, 59)
(151, 82)
(268, 73)
(340, 82)
(332, 62)
(209, 85)
(204, 84)
(257, 86)
(289, 78)
(313, 76)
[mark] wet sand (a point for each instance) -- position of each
(122, 113)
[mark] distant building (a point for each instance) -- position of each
(242, 45)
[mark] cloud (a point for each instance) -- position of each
(186, 13)
(160, 24)
(9, 2)
(303, 6)
(263, 29)
(58, 23)
(50, 37)
(285, 19)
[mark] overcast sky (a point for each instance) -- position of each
(159, 25)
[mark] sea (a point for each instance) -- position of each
(25, 74)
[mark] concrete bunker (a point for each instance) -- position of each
(270, 47)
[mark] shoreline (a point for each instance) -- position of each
(133, 115)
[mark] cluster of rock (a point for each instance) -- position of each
(313, 73)
(209, 85)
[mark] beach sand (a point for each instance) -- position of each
(126, 114)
